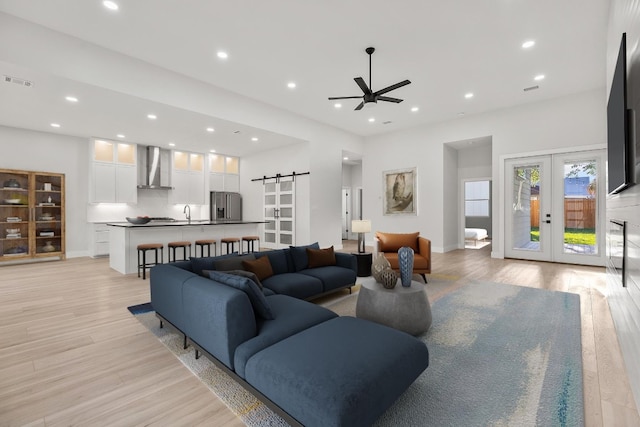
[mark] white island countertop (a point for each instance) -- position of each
(125, 237)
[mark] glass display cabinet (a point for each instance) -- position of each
(32, 215)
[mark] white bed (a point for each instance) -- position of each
(475, 234)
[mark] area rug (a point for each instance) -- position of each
(500, 355)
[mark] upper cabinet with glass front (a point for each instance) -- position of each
(224, 173)
(187, 178)
(113, 172)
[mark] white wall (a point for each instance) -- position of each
(50, 152)
(563, 123)
(625, 17)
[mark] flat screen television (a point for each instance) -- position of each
(620, 150)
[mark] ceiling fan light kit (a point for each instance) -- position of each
(369, 97)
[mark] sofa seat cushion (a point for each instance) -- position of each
(294, 284)
(332, 277)
(335, 374)
(292, 315)
(419, 262)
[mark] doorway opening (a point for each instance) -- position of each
(477, 214)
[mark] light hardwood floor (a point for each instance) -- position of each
(71, 354)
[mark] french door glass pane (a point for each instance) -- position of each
(526, 208)
(580, 207)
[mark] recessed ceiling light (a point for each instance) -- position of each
(345, 158)
(120, 135)
(152, 116)
(528, 44)
(171, 144)
(539, 77)
(210, 129)
(291, 85)
(111, 5)
(372, 119)
(71, 98)
(468, 95)
(55, 125)
(222, 54)
(414, 109)
(212, 151)
(337, 105)
(254, 139)
(461, 113)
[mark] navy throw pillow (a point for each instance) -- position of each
(299, 255)
(259, 303)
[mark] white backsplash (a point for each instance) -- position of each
(153, 203)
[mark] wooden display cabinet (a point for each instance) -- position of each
(32, 215)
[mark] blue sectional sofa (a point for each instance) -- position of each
(309, 365)
(292, 274)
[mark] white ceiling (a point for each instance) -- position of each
(446, 49)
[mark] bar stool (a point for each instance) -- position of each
(250, 242)
(229, 241)
(142, 251)
(205, 243)
(172, 248)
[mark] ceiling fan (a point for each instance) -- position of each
(371, 98)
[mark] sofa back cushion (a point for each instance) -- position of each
(232, 263)
(256, 297)
(206, 263)
(280, 260)
(391, 242)
(299, 255)
(321, 257)
(261, 267)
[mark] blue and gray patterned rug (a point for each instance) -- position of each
(500, 355)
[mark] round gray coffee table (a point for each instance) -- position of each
(406, 309)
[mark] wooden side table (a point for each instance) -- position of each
(364, 263)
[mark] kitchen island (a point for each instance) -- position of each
(124, 237)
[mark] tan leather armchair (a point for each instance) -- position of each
(389, 243)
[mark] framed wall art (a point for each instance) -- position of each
(400, 192)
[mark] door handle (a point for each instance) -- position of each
(548, 221)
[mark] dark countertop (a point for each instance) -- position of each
(196, 222)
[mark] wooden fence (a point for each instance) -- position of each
(578, 213)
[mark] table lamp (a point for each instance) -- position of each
(361, 226)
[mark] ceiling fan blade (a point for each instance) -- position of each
(345, 97)
(363, 85)
(359, 107)
(392, 87)
(389, 99)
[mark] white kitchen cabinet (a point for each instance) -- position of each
(99, 245)
(187, 178)
(224, 173)
(113, 172)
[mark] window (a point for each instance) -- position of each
(476, 198)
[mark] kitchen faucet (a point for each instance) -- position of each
(187, 211)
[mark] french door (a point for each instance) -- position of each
(555, 207)
(279, 214)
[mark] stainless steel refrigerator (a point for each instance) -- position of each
(225, 206)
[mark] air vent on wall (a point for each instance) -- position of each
(526, 89)
(18, 81)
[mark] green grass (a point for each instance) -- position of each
(572, 236)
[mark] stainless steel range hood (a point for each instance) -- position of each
(153, 165)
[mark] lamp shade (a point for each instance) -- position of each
(361, 226)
